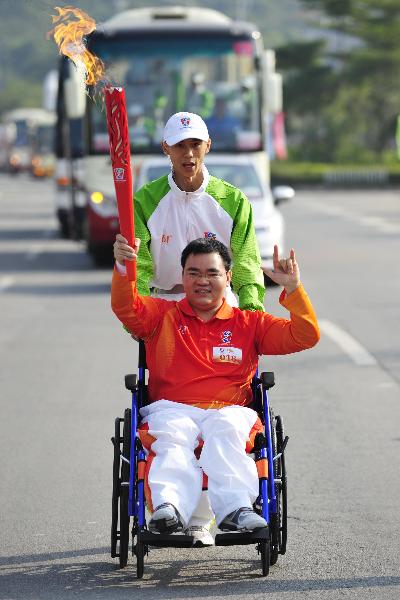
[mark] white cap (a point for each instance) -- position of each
(184, 125)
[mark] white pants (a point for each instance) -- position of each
(203, 514)
(175, 474)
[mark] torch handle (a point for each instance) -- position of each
(118, 133)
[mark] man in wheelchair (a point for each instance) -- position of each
(202, 355)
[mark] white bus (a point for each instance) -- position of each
(167, 59)
(20, 128)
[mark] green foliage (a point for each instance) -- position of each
(14, 95)
(356, 119)
(297, 173)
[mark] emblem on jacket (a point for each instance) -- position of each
(226, 337)
(182, 329)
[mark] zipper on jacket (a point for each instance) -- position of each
(187, 216)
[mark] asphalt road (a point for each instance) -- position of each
(63, 356)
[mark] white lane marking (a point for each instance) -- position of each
(347, 343)
(380, 224)
(386, 384)
(21, 221)
(34, 251)
(6, 282)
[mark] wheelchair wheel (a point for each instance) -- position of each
(275, 517)
(116, 488)
(264, 550)
(280, 432)
(124, 493)
(139, 547)
(140, 551)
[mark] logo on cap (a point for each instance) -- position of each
(185, 121)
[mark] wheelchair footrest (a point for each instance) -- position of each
(238, 538)
(167, 540)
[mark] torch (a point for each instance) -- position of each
(68, 34)
(117, 122)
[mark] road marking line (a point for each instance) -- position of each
(347, 343)
(6, 282)
(380, 224)
(34, 252)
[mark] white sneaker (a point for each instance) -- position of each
(243, 519)
(201, 536)
(165, 519)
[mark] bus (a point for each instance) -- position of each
(168, 60)
(20, 127)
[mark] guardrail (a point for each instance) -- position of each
(357, 178)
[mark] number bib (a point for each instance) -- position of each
(227, 355)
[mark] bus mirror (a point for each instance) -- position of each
(272, 84)
(75, 92)
(49, 91)
(274, 93)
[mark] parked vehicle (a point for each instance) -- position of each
(43, 157)
(237, 170)
(241, 172)
(21, 125)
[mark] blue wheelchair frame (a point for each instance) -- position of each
(271, 501)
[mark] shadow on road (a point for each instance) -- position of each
(48, 576)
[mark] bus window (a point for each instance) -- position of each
(213, 75)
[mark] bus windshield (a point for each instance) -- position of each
(44, 139)
(21, 133)
(212, 75)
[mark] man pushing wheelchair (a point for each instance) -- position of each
(202, 355)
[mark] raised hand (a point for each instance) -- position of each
(286, 271)
(122, 251)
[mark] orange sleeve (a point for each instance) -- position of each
(141, 315)
(275, 335)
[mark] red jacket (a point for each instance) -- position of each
(210, 364)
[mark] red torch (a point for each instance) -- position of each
(117, 122)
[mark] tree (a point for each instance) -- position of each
(309, 86)
(359, 120)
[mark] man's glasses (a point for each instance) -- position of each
(209, 275)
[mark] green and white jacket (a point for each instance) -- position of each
(167, 219)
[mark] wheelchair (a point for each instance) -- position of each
(128, 498)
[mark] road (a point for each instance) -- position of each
(63, 358)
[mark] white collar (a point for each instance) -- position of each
(187, 195)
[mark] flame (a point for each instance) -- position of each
(72, 25)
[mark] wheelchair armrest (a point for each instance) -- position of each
(259, 442)
(267, 379)
(131, 382)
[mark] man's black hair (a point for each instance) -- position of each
(207, 246)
